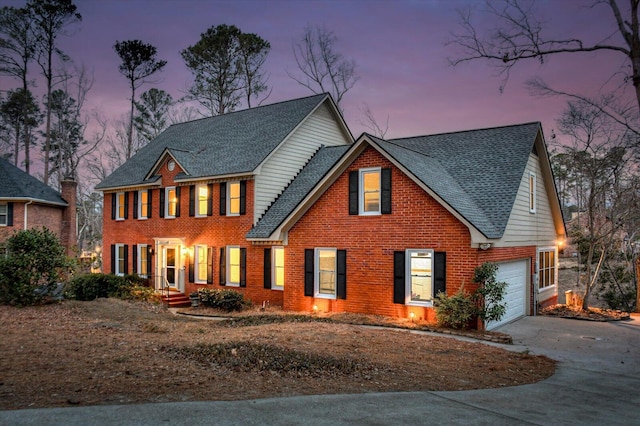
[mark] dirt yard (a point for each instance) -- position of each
(116, 352)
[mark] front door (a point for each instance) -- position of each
(170, 264)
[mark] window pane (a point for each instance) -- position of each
(278, 266)
(201, 261)
(172, 200)
(371, 191)
(3, 214)
(326, 271)
(234, 265)
(143, 199)
(121, 205)
(171, 257)
(142, 258)
(421, 279)
(234, 198)
(203, 195)
(120, 256)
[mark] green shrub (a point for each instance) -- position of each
(490, 292)
(455, 311)
(227, 300)
(93, 286)
(34, 265)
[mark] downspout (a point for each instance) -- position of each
(26, 216)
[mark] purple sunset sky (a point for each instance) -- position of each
(399, 48)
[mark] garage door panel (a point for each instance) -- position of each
(515, 275)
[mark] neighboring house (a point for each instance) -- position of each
(370, 226)
(27, 203)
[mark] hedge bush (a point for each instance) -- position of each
(455, 311)
(227, 300)
(92, 286)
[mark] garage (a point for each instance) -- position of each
(515, 275)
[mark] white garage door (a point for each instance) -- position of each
(515, 275)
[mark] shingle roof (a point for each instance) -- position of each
(226, 144)
(313, 172)
(476, 172)
(17, 184)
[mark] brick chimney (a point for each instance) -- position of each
(68, 235)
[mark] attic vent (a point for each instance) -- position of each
(534, 150)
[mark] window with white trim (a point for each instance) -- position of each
(419, 277)
(120, 259)
(200, 264)
(143, 204)
(143, 261)
(325, 272)
(171, 202)
(233, 198)
(370, 191)
(202, 200)
(121, 206)
(4, 214)
(547, 271)
(277, 268)
(532, 192)
(233, 265)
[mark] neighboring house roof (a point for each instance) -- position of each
(17, 185)
(317, 168)
(228, 144)
(477, 173)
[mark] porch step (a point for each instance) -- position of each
(176, 300)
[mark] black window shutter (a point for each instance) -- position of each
(222, 267)
(149, 203)
(126, 205)
(126, 259)
(243, 267)
(9, 214)
(439, 272)
(267, 268)
(177, 201)
(191, 266)
(135, 204)
(210, 199)
(192, 200)
(223, 199)
(209, 265)
(113, 205)
(342, 274)
(161, 209)
(134, 258)
(398, 277)
(353, 192)
(113, 258)
(243, 197)
(385, 178)
(308, 272)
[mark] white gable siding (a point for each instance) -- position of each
(277, 172)
(524, 227)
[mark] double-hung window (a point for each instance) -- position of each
(121, 205)
(200, 264)
(370, 191)
(144, 204)
(171, 202)
(120, 259)
(419, 276)
(325, 273)
(202, 200)
(325, 279)
(547, 273)
(277, 268)
(4, 215)
(143, 266)
(233, 266)
(233, 198)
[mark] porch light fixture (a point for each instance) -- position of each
(412, 316)
(485, 246)
(315, 309)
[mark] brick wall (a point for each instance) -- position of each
(417, 221)
(213, 231)
(38, 215)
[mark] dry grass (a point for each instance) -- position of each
(115, 352)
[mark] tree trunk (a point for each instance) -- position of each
(638, 284)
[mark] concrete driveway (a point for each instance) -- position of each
(597, 382)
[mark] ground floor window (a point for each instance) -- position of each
(233, 266)
(325, 280)
(120, 259)
(547, 268)
(200, 258)
(278, 268)
(419, 276)
(143, 261)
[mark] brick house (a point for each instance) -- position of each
(370, 226)
(27, 203)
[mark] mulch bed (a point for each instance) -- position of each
(592, 314)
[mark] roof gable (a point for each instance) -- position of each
(19, 185)
(227, 144)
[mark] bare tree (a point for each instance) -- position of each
(520, 35)
(371, 123)
(323, 68)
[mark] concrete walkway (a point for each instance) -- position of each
(597, 382)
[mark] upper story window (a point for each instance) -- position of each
(143, 206)
(233, 198)
(121, 206)
(4, 215)
(370, 191)
(171, 202)
(532, 192)
(546, 268)
(202, 203)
